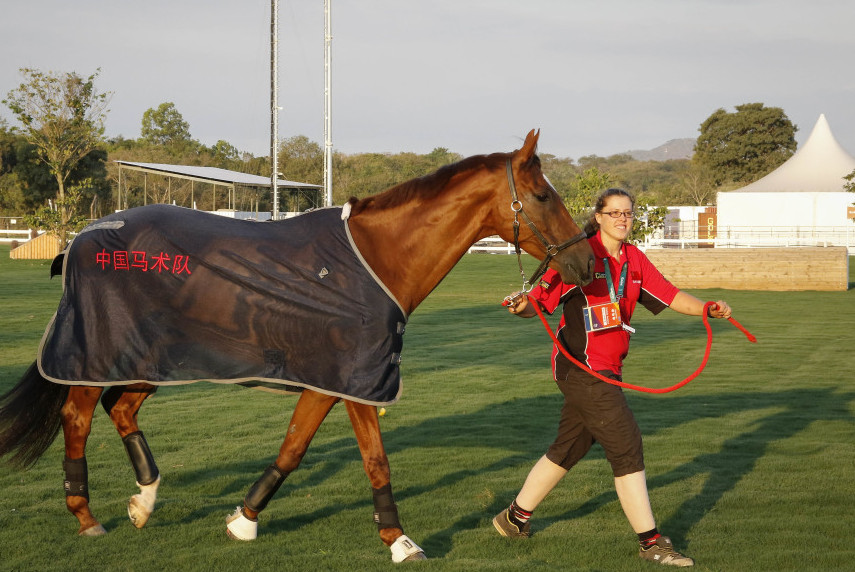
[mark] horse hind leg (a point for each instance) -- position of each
(76, 417)
(366, 426)
(122, 404)
(311, 409)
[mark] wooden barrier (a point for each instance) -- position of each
(44, 247)
(779, 269)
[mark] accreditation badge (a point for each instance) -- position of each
(601, 316)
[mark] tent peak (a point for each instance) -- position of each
(819, 165)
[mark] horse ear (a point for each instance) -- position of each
(529, 147)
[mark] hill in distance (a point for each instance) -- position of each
(673, 149)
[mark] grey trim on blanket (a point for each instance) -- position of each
(370, 270)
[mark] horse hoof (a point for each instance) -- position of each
(138, 512)
(415, 556)
(239, 527)
(141, 506)
(96, 530)
(405, 550)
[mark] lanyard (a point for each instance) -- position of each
(621, 285)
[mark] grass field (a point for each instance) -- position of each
(750, 467)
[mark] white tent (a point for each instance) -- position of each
(801, 202)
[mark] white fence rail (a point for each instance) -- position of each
(757, 237)
(733, 237)
(492, 245)
(9, 235)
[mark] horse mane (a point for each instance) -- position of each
(427, 186)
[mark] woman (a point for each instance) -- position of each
(595, 329)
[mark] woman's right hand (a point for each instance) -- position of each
(518, 304)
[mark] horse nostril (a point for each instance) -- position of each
(591, 265)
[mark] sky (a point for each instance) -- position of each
(598, 77)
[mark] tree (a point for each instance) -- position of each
(560, 172)
(849, 185)
(696, 185)
(584, 191)
(225, 153)
(648, 219)
(63, 116)
(441, 156)
(302, 160)
(744, 146)
(11, 189)
(165, 126)
(26, 181)
(51, 217)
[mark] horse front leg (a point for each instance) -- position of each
(76, 424)
(311, 409)
(122, 404)
(366, 425)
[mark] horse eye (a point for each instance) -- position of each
(542, 197)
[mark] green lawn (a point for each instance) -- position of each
(750, 466)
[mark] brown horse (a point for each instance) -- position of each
(409, 237)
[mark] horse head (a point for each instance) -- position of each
(544, 228)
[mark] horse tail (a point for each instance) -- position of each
(30, 418)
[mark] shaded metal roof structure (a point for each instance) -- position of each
(220, 177)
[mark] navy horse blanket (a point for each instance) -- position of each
(167, 295)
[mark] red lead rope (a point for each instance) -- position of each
(697, 372)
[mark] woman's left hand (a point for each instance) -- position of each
(720, 309)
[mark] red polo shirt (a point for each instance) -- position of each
(602, 349)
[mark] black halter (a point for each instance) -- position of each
(551, 249)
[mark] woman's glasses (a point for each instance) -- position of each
(618, 214)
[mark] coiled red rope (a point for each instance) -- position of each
(697, 372)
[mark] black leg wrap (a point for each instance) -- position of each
(264, 488)
(385, 509)
(76, 477)
(141, 458)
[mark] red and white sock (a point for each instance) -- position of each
(517, 515)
